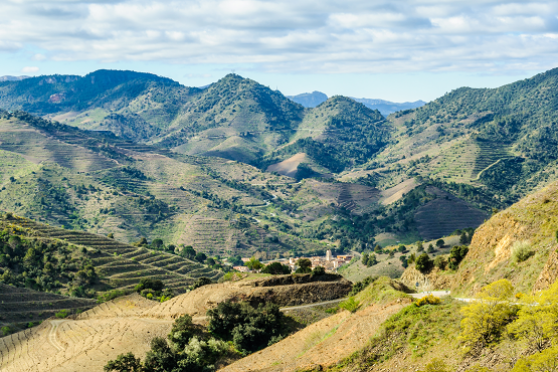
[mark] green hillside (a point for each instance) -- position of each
(234, 118)
(92, 182)
(502, 140)
(337, 134)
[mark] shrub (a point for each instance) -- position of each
(440, 243)
(200, 283)
(521, 251)
(484, 320)
(61, 314)
(430, 249)
(535, 324)
(249, 328)
(148, 283)
(111, 295)
(318, 270)
(402, 248)
(436, 365)
(350, 304)
(546, 360)
(427, 300)
(359, 286)
(6, 330)
(440, 262)
(424, 263)
(276, 268)
(124, 363)
(420, 247)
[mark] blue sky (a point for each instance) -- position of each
(394, 50)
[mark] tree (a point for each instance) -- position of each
(254, 264)
(420, 247)
(430, 249)
(457, 254)
(188, 252)
(124, 363)
(304, 266)
(157, 244)
(200, 257)
(371, 260)
(378, 249)
(485, 319)
(210, 261)
(364, 259)
(463, 239)
(401, 248)
(440, 243)
(424, 263)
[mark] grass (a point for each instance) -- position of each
(419, 332)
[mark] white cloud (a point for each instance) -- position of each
(29, 69)
(284, 35)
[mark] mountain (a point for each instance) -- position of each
(309, 99)
(386, 107)
(234, 118)
(12, 78)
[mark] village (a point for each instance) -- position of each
(329, 263)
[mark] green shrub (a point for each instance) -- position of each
(62, 314)
(249, 328)
(318, 270)
(423, 263)
(276, 268)
(124, 363)
(521, 251)
(440, 262)
(359, 286)
(6, 330)
(350, 304)
(111, 295)
(200, 283)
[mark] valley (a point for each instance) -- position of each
(127, 198)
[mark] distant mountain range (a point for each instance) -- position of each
(385, 107)
(12, 78)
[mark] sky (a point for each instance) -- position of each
(398, 50)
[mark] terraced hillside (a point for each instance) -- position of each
(118, 265)
(87, 341)
(133, 191)
(22, 308)
(445, 214)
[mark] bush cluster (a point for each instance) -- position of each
(249, 328)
